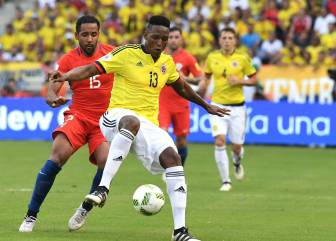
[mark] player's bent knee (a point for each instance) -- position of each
(236, 148)
(220, 141)
(131, 123)
(170, 158)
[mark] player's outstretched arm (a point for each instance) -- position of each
(234, 80)
(184, 90)
(76, 74)
(190, 80)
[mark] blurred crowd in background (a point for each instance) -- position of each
(281, 32)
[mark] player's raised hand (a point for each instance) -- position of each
(216, 110)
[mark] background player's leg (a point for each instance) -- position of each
(181, 123)
(61, 151)
(237, 137)
(237, 156)
(182, 148)
(222, 162)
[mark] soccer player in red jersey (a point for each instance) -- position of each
(81, 122)
(173, 108)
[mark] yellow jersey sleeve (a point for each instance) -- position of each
(113, 61)
(173, 75)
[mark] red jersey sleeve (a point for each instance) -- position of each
(193, 66)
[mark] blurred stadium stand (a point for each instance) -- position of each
(7, 10)
(276, 32)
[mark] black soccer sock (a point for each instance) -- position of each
(183, 152)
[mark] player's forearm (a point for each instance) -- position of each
(54, 88)
(251, 81)
(193, 81)
(82, 72)
(188, 93)
(203, 85)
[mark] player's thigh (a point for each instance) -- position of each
(61, 149)
(149, 143)
(219, 125)
(237, 125)
(181, 123)
(73, 131)
(164, 117)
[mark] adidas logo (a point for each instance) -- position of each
(180, 189)
(118, 159)
(140, 64)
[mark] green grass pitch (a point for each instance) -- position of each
(289, 194)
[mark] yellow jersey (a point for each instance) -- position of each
(138, 80)
(220, 67)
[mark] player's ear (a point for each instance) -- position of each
(76, 35)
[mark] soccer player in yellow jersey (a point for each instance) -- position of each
(141, 71)
(229, 69)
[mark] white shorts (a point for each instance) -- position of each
(234, 124)
(148, 144)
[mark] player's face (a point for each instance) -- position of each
(174, 40)
(156, 40)
(88, 37)
(227, 41)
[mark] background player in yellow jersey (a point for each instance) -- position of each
(141, 71)
(229, 69)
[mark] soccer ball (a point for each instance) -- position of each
(148, 199)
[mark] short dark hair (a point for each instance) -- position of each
(86, 19)
(158, 20)
(173, 29)
(228, 29)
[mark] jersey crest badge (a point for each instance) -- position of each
(235, 64)
(163, 69)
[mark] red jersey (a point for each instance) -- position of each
(91, 96)
(187, 64)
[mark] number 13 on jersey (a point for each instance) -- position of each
(153, 79)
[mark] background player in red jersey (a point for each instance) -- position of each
(173, 108)
(89, 101)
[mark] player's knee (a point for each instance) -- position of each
(220, 141)
(59, 155)
(170, 158)
(131, 123)
(236, 148)
(59, 158)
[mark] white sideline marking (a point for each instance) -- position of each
(284, 196)
(19, 190)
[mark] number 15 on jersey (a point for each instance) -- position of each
(95, 82)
